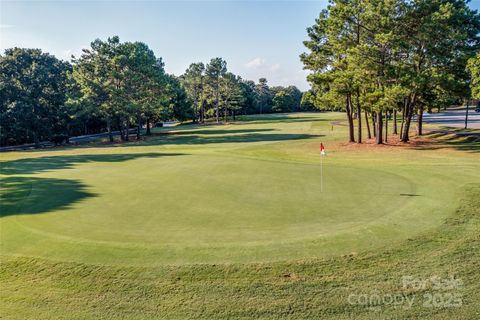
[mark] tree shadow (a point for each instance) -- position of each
(199, 139)
(198, 129)
(281, 118)
(41, 164)
(29, 195)
(451, 140)
(440, 120)
(197, 134)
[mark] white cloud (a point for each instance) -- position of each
(67, 54)
(276, 73)
(275, 67)
(261, 64)
(255, 63)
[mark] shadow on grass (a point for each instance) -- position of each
(280, 118)
(243, 138)
(34, 165)
(211, 133)
(199, 139)
(200, 135)
(445, 140)
(28, 195)
(198, 130)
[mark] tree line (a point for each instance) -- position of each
(218, 94)
(391, 60)
(117, 86)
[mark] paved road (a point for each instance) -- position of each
(454, 118)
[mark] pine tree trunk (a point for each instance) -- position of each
(379, 122)
(374, 125)
(127, 129)
(402, 125)
(406, 129)
(36, 140)
(386, 126)
(408, 120)
(351, 128)
(122, 132)
(67, 139)
(195, 112)
(139, 124)
(216, 102)
(394, 121)
(225, 113)
(109, 129)
(420, 121)
(369, 133)
(359, 116)
(149, 132)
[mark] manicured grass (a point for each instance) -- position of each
(229, 221)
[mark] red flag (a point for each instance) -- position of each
(322, 149)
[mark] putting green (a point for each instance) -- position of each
(249, 192)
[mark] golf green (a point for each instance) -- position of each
(244, 192)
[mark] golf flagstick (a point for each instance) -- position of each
(322, 154)
(321, 173)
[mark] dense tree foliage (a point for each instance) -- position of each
(387, 56)
(216, 93)
(215, 70)
(474, 68)
(194, 82)
(32, 96)
(124, 82)
(286, 99)
(118, 86)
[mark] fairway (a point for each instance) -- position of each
(245, 192)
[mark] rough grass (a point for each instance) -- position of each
(316, 289)
(65, 256)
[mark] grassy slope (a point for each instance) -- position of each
(315, 288)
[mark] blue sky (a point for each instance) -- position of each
(256, 38)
